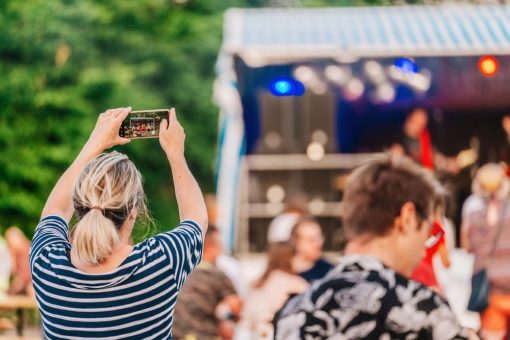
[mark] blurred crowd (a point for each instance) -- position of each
(224, 307)
(217, 303)
(15, 278)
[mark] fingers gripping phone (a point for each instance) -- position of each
(143, 124)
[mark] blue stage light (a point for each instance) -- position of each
(406, 65)
(287, 87)
(299, 88)
(283, 87)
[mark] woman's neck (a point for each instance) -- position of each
(119, 254)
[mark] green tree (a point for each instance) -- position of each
(63, 62)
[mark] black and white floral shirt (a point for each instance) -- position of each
(363, 299)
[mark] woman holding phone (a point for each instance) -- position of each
(92, 282)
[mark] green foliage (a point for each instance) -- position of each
(62, 62)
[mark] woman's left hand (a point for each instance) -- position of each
(106, 133)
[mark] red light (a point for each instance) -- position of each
(488, 66)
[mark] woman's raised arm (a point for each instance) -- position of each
(187, 192)
(104, 136)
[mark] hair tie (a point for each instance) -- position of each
(98, 208)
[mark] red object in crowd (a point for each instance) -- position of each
(424, 272)
(426, 149)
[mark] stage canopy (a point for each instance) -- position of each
(266, 36)
(271, 36)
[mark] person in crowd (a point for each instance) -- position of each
(225, 262)
(19, 248)
(5, 266)
(494, 144)
(307, 239)
(503, 152)
(416, 143)
(486, 225)
(435, 245)
(269, 293)
(94, 283)
(281, 226)
(208, 304)
(233, 269)
(387, 213)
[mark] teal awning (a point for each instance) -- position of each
(277, 34)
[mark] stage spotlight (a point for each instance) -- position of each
(275, 194)
(338, 74)
(315, 151)
(385, 93)
(316, 206)
(354, 89)
(282, 87)
(304, 74)
(421, 81)
(406, 65)
(396, 74)
(374, 71)
(488, 66)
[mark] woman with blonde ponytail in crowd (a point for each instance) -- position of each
(91, 282)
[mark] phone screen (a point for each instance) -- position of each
(142, 124)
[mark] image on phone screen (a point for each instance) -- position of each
(142, 124)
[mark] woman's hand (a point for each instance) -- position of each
(104, 136)
(171, 136)
(106, 133)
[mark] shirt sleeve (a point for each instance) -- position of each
(443, 321)
(51, 230)
(183, 246)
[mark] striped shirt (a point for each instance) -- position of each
(134, 301)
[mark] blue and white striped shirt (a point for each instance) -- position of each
(134, 301)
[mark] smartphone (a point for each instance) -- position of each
(143, 124)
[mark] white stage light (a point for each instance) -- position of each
(374, 71)
(338, 74)
(396, 73)
(304, 74)
(273, 140)
(421, 81)
(385, 93)
(315, 151)
(354, 89)
(275, 194)
(316, 206)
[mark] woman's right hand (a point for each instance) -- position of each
(172, 136)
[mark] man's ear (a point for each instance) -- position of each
(406, 218)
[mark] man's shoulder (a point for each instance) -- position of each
(367, 297)
(348, 281)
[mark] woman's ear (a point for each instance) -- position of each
(133, 214)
